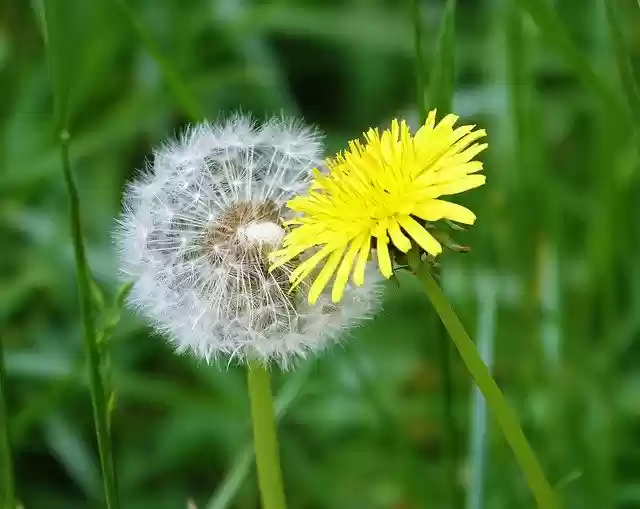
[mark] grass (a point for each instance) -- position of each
(8, 481)
(562, 179)
(56, 24)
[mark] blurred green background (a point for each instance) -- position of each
(550, 291)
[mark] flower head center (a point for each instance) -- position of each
(261, 233)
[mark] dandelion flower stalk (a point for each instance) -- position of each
(198, 226)
(265, 438)
(384, 196)
(8, 482)
(503, 414)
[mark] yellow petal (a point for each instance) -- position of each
(305, 268)
(384, 260)
(424, 239)
(457, 186)
(398, 238)
(434, 210)
(345, 268)
(324, 276)
(425, 131)
(459, 146)
(431, 118)
(363, 256)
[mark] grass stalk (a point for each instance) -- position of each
(441, 89)
(62, 54)
(623, 61)
(419, 60)
(554, 30)
(487, 310)
(265, 440)
(442, 83)
(179, 89)
(8, 481)
(505, 417)
(92, 352)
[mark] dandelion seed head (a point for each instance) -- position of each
(196, 232)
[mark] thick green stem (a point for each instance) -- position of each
(503, 414)
(7, 460)
(265, 440)
(96, 383)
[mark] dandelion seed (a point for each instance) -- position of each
(195, 235)
(379, 194)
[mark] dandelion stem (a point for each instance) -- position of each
(503, 414)
(265, 440)
(96, 383)
(7, 460)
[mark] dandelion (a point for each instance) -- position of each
(381, 194)
(197, 228)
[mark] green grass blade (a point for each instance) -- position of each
(179, 89)
(478, 463)
(7, 479)
(441, 86)
(61, 47)
(62, 53)
(96, 382)
(553, 30)
(441, 90)
(233, 481)
(623, 61)
(419, 64)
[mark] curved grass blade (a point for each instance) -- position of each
(182, 94)
(62, 53)
(7, 479)
(441, 86)
(623, 61)
(554, 31)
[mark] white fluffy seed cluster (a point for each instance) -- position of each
(195, 233)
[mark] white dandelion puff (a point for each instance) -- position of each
(197, 227)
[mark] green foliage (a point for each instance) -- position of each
(557, 234)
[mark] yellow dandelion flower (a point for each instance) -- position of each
(381, 189)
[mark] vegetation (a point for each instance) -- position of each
(550, 290)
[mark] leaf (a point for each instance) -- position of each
(122, 294)
(97, 294)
